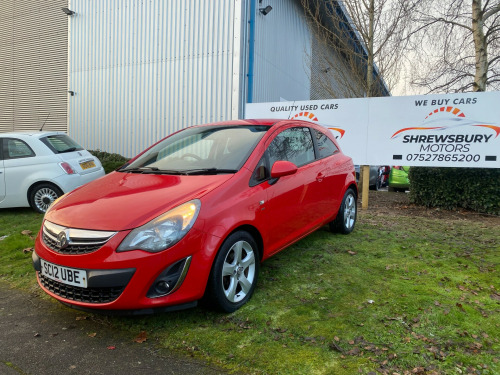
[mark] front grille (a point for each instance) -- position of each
(73, 241)
(75, 293)
(70, 249)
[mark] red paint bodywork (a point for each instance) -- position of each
(278, 214)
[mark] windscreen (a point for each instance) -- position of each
(200, 150)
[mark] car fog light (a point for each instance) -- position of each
(170, 279)
(162, 287)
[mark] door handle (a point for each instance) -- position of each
(320, 177)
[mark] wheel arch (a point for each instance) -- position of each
(42, 182)
(254, 232)
(354, 187)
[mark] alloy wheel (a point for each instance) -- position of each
(350, 211)
(44, 198)
(238, 272)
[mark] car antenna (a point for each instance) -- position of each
(46, 118)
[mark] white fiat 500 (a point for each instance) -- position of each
(38, 167)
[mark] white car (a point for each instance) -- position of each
(38, 167)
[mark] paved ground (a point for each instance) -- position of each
(39, 337)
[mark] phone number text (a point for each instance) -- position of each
(444, 157)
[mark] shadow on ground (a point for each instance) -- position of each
(42, 337)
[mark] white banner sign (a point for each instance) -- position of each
(453, 130)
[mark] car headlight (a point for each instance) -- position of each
(164, 231)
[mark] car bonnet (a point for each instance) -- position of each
(121, 201)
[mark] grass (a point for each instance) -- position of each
(18, 228)
(401, 294)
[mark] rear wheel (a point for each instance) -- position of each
(42, 196)
(379, 180)
(234, 273)
(346, 217)
(378, 184)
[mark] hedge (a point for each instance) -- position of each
(110, 162)
(470, 188)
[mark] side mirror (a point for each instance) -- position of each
(283, 168)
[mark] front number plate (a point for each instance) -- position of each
(87, 164)
(65, 275)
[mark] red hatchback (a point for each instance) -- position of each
(193, 216)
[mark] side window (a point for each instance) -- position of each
(326, 147)
(16, 149)
(294, 145)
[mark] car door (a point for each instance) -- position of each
(19, 164)
(2, 173)
(288, 212)
(331, 174)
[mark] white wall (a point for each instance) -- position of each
(141, 70)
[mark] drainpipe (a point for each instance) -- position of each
(251, 48)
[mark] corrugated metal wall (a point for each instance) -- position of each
(33, 64)
(141, 70)
(331, 76)
(282, 40)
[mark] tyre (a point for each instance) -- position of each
(346, 217)
(380, 179)
(42, 196)
(234, 273)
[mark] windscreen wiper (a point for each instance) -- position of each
(205, 171)
(151, 170)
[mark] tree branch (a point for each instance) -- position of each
(491, 12)
(454, 23)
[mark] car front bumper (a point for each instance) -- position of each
(120, 281)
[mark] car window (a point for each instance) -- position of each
(294, 145)
(61, 143)
(326, 147)
(15, 149)
(201, 150)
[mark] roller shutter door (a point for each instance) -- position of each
(33, 65)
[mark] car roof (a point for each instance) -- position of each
(265, 122)
(34, 134)
(268, 122)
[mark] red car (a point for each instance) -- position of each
(193, 216)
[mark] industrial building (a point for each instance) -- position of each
(118, 75)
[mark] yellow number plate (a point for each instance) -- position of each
(87, 164)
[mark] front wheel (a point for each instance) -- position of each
(234, 273)
(346, 217)
(42, 196)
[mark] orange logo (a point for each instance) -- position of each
(340, 131)
(454, 118)
(308, 115)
